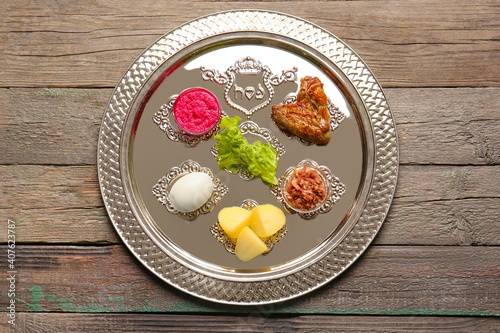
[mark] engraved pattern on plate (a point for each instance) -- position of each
(335, 189)
(223, 238)
(249, 127)
(162, 119)
(248, 66)
(336, 117)
(161, 189)
(283, 287)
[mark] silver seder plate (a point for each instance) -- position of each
(250, 60)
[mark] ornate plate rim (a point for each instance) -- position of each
(319, 272)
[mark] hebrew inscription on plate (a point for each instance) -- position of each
(249, 85)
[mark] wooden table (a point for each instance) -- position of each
(435, 265)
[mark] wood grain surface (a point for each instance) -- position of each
(433, 205)
(406, 43)
(458, 127)
(434, 266)
(58, 322)
(108, 279)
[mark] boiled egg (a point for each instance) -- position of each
(191, 191)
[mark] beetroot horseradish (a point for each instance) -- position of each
(196, 111)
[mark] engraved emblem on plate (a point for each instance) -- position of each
(249, 127)
(161, 189)
(249, 85)
(162, 119)
(230, 244)
(336, 117)
(334, 189)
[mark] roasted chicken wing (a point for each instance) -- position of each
(308, 118)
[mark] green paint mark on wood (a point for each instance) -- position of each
(93, 308)
(116, 299)
(457, 179)
(36, 294)
(462, 174)
(64, 92)
(51, 93)
(189, 307)
(65, 304)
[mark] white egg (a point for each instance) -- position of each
(191, 191)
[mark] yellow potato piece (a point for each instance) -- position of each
(266, 220)
(248, 245)
(233, 219)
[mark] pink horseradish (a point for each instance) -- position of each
(196, 111)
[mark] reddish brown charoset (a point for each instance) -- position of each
(305, 189)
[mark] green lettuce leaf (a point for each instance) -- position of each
(235, 151)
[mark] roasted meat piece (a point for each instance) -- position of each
(308, 118)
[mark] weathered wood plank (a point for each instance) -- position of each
(40, 186)
(447, 222)
(69, 322)
(433, 205)
(461, 222)
(406, 43)
(385, 280)
(447, 126)
(89, 225)
(51, 126)
(436, 126)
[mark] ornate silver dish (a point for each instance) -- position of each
(333, 188)
(162, 189)
(228, 243)
(250, 60)
(251, 128)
